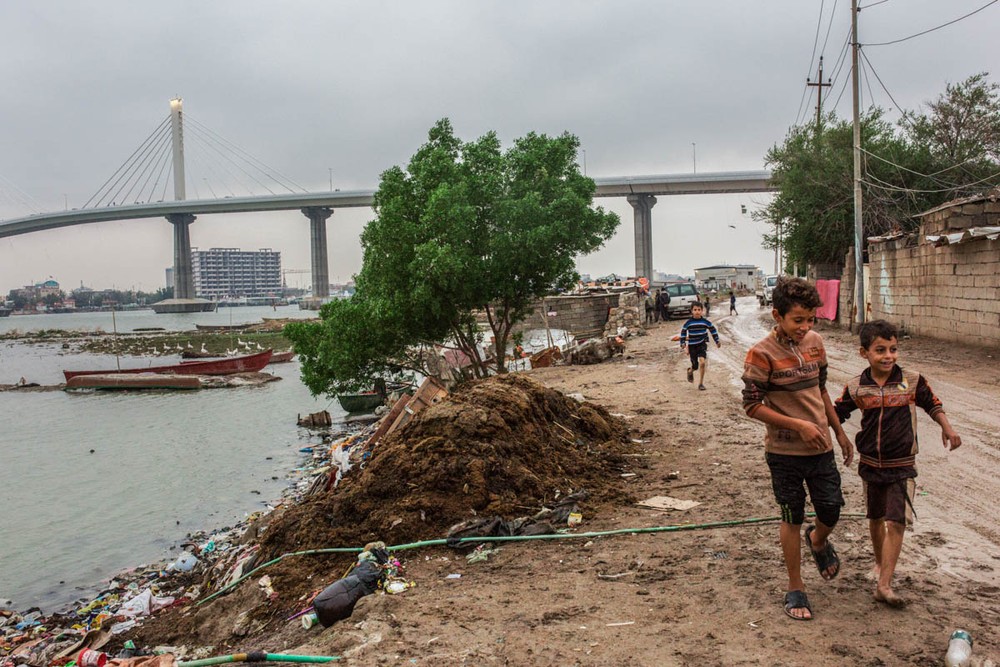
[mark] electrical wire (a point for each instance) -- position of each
(943, 25)
(872, 4)
(881, 83)
(833, 13)
(957, 188)
(917, 173)
(819, 23)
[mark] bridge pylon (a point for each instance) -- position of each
(318, 215)
(642, 206)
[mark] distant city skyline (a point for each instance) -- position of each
(689, 87)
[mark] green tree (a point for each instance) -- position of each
(950, 150)
(813, 209)
(962, 126)
(467, 228)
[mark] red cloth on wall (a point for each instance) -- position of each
(829, 292)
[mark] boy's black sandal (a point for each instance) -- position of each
(825, 557)
(797, 600)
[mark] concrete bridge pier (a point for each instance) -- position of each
(642, 206)
(318, 215)
(185, 300)
(183, 272)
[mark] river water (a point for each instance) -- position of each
(163, 464)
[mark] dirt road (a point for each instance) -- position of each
(713, 596)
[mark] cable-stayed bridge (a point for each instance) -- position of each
(138, 190)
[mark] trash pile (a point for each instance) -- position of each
(492, 448)
(208, 562)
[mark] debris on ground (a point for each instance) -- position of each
(490, 449)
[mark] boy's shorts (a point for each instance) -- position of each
(820, 474)
(892, 501)
(699, 351)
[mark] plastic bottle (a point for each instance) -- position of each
(959, 649)
(309, 620)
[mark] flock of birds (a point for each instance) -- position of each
(242, 347)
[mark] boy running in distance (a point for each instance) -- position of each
(694, 341)
(785, 387)
(888, 398)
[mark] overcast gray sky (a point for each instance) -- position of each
(352, 87)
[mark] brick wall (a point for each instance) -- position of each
(583, 316)
(950, 292)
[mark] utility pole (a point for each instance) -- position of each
(859, 268)
(694, 157)
(819, 85)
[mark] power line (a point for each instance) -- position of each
(819, 22)
(833, 13)
(943, 25)
(879, 79)
(872, 4)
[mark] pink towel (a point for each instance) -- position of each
(829, 292)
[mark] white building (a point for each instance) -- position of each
(726, 277)
(221, 273)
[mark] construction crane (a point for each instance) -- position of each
(285, 272)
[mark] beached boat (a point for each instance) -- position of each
(227, 366)
(282, 357)
(122, 381)
(364, 402)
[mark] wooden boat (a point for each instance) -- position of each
(226, 366)
(363, 402)
(282, 357)
(122, 381)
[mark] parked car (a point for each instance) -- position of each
(682, 296)
(766, 289)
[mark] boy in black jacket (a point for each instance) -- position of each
(887, 444)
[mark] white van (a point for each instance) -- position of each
(682, 296)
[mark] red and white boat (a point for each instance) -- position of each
(247, 364)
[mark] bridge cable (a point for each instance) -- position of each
(164, 162)
(203, 146)
(157, 168)
(135, 168)
(195, 132)
(149, 166)
(17, 196)
(201, 165)
(123, 166)
(219, 178)
(125, 170)
(267, 169)
(130, 173)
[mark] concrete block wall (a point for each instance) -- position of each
(950, 292)
(583, 316)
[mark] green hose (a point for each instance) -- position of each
(257, 656)
(513, 538)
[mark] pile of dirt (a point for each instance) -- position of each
(502, 446)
